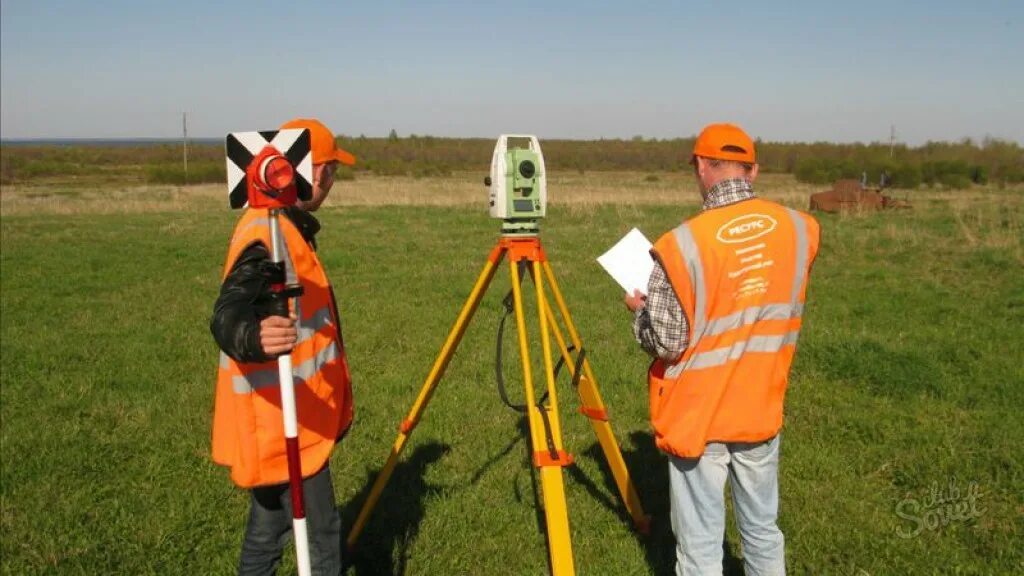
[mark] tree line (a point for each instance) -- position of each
(949, 164)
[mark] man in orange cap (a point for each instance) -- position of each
(248, 432)
(721, 318)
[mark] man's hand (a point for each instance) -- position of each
(278, 334)
(635, 301)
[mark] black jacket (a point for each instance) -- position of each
(245, 296)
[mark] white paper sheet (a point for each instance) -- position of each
(629, 262)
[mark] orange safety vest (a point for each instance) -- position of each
(740, 273)
(248, 427)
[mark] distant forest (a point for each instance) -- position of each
(946, 164)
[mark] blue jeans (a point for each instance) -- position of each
(270, 523)
(697, 492)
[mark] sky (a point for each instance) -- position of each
(785, 71)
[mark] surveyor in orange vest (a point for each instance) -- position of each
(721, 317)
(248, 430)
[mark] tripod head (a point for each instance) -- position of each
(269, 169)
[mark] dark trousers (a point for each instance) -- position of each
(270, 523)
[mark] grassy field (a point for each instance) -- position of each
(902, 445)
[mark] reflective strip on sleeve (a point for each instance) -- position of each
(246, 383)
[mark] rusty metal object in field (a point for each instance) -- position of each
(850, 196)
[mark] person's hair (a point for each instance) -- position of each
(717, 162)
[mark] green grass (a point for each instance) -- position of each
(909, 373)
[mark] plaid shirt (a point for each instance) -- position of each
(660, 327)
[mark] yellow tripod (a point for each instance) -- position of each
(545, 432)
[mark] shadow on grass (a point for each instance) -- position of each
(648, 469)
(395, 520)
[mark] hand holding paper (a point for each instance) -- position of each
(629, 262)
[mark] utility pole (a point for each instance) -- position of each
(892, 138)
(184, 143)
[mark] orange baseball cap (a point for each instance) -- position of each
(724, 142)
(321, 141)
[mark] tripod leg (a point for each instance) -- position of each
(593, 407)
(413, 418)
(556, 514)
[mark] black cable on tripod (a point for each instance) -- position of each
(509, 303)
(577, 365)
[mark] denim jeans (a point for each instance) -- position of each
(270, 523)
(697, 492)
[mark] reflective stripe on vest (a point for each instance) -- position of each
(243, 231)
(251, 381)
(754, 314)
(306, 330)
(801, 254)
(702, 327)
(720, 356)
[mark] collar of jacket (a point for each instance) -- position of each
(727, 192)
(307, 224)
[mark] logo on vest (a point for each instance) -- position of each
(745, 228)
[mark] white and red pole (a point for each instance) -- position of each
(291, 426)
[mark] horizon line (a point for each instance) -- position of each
(215, 139)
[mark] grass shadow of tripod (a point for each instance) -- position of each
(398, 517)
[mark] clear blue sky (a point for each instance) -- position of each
(786, 71)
